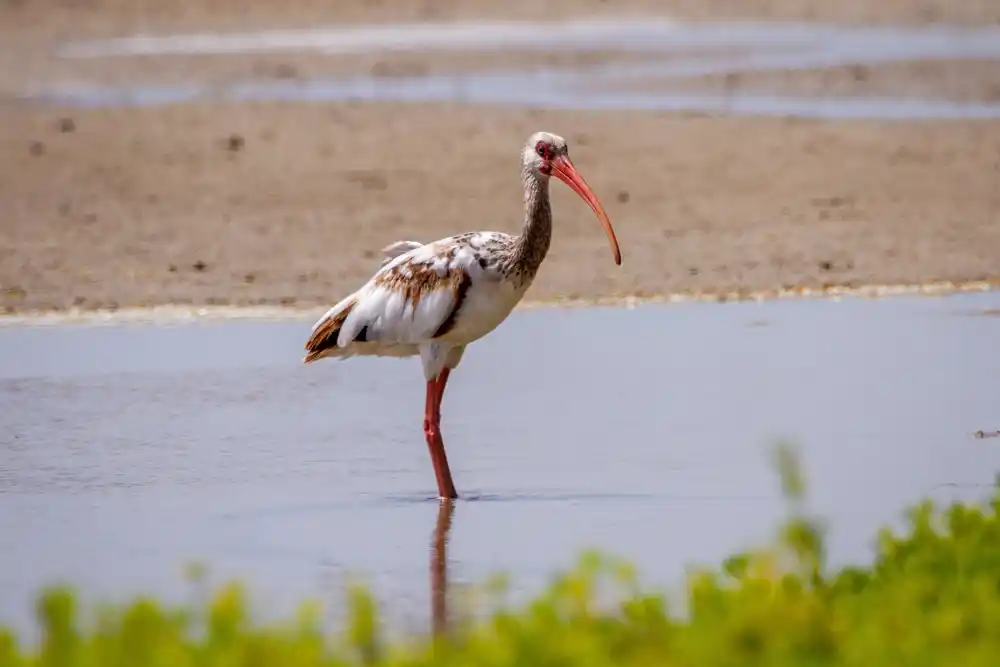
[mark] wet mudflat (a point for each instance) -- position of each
(128, 450)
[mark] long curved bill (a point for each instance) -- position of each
(564, 170)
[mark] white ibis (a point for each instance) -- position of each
(435, 299)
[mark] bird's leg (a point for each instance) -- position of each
(432, 429)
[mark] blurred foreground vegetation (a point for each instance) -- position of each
(930, 597)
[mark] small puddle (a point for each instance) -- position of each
(126, 450)
(675, 51)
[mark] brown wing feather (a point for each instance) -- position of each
(414, 279)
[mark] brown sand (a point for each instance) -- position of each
(289, 203)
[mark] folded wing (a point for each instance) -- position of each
(413, 298)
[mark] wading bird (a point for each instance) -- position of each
(435, 299)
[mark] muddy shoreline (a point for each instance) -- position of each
(174, 314)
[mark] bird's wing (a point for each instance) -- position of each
(413, 298)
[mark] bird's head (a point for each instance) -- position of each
(545, 155)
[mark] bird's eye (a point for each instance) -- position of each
(542, 149)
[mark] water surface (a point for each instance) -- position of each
(671, 51)
(127, 450)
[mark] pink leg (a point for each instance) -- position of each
(432, 429)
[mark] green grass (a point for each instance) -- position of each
(931, 596)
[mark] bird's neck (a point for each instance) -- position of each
(533, 243)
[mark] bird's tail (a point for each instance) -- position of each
(323, 340)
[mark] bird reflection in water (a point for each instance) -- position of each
(439, 567)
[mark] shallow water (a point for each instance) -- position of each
(674, 51)
(127, 450)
